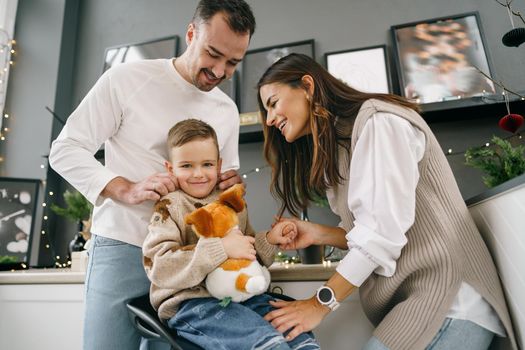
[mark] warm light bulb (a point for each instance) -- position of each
(44, 204)
(45, 217)
(51, 193)
(257, 170)
(244, 176)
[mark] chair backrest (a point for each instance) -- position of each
(146, 321)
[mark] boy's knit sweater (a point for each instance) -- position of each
(177, 261)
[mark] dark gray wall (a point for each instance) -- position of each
(335, 25)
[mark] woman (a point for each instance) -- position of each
(426, 278)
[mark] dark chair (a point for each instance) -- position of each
(147, 322)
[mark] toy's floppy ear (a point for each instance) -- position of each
(201, 221)
(233, 197)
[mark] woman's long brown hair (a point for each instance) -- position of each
(306, 168)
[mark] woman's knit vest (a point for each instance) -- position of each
(444, 248)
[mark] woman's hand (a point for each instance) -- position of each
(297, 316)
(306, 234)
(282, 233)
(309, 233)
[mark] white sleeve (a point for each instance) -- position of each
(381, 195)
(95, 120)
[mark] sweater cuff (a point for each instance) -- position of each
(265, 249)
(214, 253)
(356, 267)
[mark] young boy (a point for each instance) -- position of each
(177, 261)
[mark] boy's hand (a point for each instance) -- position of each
(282, 233)
(239, 246)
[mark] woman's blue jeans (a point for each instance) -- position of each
(453, 334)
(114, 276)
(237, 326)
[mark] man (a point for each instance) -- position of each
(130, 110)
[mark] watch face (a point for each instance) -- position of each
(325, 295)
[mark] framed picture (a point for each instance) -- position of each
(256, 62)
(365, 69)
(438, 59)
(229, 87)
(18, 200)
(165, 47)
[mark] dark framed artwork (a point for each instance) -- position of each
(365, 69)
(165, 47)
(256, 62)
(18, 201)
(230, 86)
(438, 59)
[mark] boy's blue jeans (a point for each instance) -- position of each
(237, 326)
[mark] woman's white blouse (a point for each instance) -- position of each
(381, 196)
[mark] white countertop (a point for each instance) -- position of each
(280, 272)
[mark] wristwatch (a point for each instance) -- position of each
(326, 296)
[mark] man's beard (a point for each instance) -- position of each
(207, 87)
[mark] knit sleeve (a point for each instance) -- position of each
(171, 264)
(265, 251)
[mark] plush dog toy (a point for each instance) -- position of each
(235, 279)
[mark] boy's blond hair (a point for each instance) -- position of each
(189, 130)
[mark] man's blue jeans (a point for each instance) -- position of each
(114, 276)
(237, 326)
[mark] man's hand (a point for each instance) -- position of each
(239, 246)
(151, 188)
(228, 179)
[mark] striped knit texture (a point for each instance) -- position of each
(444, 248)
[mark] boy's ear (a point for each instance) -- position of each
(201, 220)
(168, 166)
(233, 197)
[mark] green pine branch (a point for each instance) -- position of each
(77, 207)
(500, 163)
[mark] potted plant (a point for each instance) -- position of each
(502, 160)
(78, 209)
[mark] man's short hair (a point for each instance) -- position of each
(189, 130)
(239, 15)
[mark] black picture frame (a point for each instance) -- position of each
(164, 47)
(255, 63)
(231, 86)
(365, 69)
(437, 58)
(18, 206)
